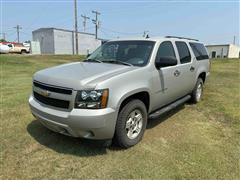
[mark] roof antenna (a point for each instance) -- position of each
(145, 34)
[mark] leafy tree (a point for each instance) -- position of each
(3, 40)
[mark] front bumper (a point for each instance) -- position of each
(86, 123)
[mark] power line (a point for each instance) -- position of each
(87, 28)
(96, 22)
(11, 34)
(124, 33)
(76, 25)
(106, 34)
(25, 33)
(128, 9)
(18, 28)
(85, 18)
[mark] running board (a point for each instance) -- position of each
(169, 107)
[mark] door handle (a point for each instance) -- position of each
(192, 68)
(177, 73)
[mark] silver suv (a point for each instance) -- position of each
(121, 85)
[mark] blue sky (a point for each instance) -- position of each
(210, 21)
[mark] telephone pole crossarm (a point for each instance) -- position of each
(96, 22)
(18, 28)
(85, 18)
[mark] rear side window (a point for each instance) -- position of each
(165, 50)
(199, 51)
(183, 52)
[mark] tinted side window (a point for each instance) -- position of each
(199, 51)
(165, 50)
(183, 52)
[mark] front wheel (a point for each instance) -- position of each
(131, 124)
(197, 92)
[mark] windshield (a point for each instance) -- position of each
(135, 53)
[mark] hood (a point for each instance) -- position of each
(80, 75)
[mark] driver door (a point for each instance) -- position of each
(165, 81)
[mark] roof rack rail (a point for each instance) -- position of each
(181, 38)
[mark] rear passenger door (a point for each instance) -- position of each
(186, 68)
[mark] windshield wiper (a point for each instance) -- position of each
(118, 62)
(92, 60)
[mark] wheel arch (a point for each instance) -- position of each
(202, 75)
(23, 51)
(142, 95)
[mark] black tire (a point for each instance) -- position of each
(23, 51)
(121, 138)
(195, 99)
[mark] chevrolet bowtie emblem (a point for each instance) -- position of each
(45, 93)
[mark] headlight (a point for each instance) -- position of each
(94, 99)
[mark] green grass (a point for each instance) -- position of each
(192, 142)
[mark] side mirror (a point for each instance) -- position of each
(88, 55)
(166, 61)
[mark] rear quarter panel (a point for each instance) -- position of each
(202, 66)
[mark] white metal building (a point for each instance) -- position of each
(61, 41)
(223, 51)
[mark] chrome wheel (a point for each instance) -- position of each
(134, 124)
(199, 92)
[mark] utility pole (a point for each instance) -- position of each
(18, 28)
(76, 25)
(96, 22)
(234, 40)
(85, 18)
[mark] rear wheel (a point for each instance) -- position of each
(197, 92)
(131, 124)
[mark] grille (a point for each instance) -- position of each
(52, 89)
(51, 101)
